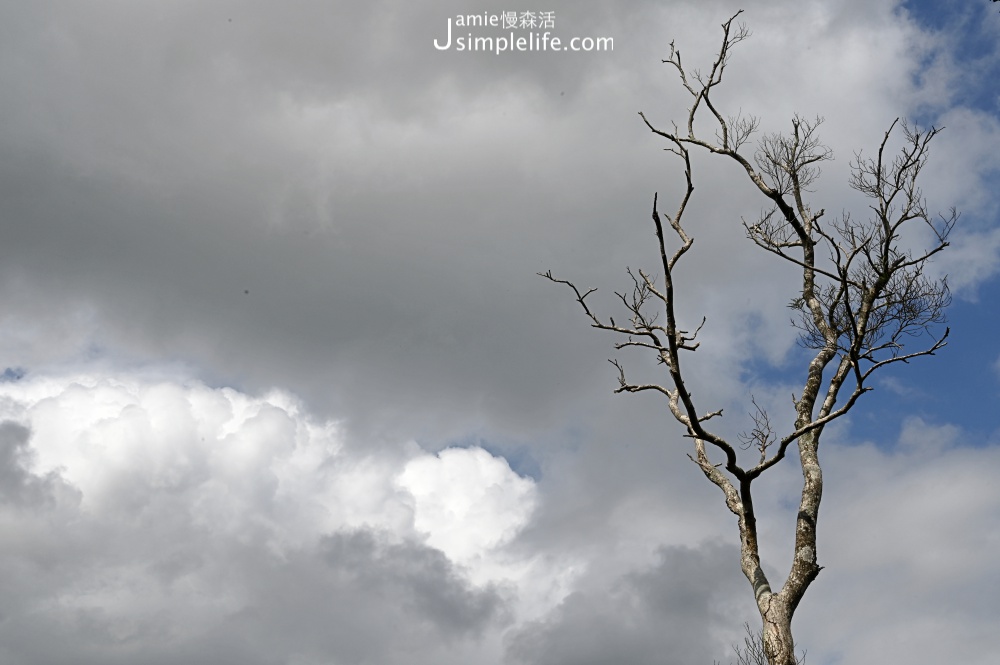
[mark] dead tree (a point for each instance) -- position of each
(864, 295)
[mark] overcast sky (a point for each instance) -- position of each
(280, 385)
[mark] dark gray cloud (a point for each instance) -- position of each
(355, 600)
(312, 196)
(20, 489)
(294, 186)
(352, 600)
(219, 191)
(670, 612)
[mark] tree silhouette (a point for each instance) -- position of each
(864, 297)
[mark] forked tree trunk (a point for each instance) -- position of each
(776, 609)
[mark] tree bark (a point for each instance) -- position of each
(779, 647)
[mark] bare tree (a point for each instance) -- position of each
(864, 295)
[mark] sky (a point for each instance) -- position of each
(279, 383)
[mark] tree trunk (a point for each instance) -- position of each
(777, 634)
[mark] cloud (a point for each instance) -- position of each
(973, 258)
(323, 233)
(274, 540)
(163, 519)
(18, 486)
(466, 500)
(210, 192)
(913, 528)
(666, 613)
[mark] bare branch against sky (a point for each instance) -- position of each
(862, 297)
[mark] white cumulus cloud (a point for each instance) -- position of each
(151, 515)
(466, 500)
